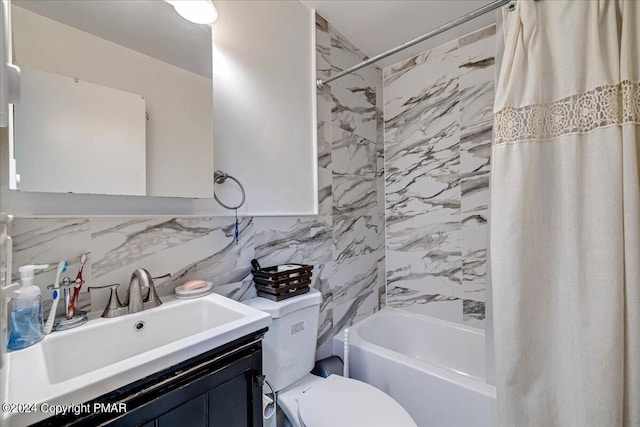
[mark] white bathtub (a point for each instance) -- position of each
(433, 368)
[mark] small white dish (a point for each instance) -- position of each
(194, 293)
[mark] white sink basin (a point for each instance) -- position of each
(111, 341)
(74, 366)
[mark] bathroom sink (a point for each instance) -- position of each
(77, 365)
(113, 340)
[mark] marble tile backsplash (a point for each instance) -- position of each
(345, 242)
(437, 139)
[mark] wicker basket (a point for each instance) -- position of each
(278, 285)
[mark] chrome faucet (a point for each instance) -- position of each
(140, 280)
(135, 302)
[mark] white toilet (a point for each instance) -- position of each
(308, 400)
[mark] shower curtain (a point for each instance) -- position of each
(565, 215)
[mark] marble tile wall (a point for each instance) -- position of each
(345, 242)
(437, 143)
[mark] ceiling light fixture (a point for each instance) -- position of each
(198, 11)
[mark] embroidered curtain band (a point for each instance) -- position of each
(604, 106)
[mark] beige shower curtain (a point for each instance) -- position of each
(565, 215)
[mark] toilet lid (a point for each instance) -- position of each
(345, 402)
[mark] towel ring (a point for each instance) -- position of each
(220, 177)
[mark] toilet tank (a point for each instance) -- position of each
(289, 347)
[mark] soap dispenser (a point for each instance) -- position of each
(26, 324)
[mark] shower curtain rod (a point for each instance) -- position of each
(468, 17)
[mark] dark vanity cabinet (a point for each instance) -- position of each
(221, 388)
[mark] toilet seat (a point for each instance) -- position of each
(345, 402)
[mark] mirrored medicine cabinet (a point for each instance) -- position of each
(115, 98)
(128, 98)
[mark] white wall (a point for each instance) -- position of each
(179, 130)
(264, 104)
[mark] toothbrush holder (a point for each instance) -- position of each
(79, 318)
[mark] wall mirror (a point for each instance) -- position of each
(116, 98)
